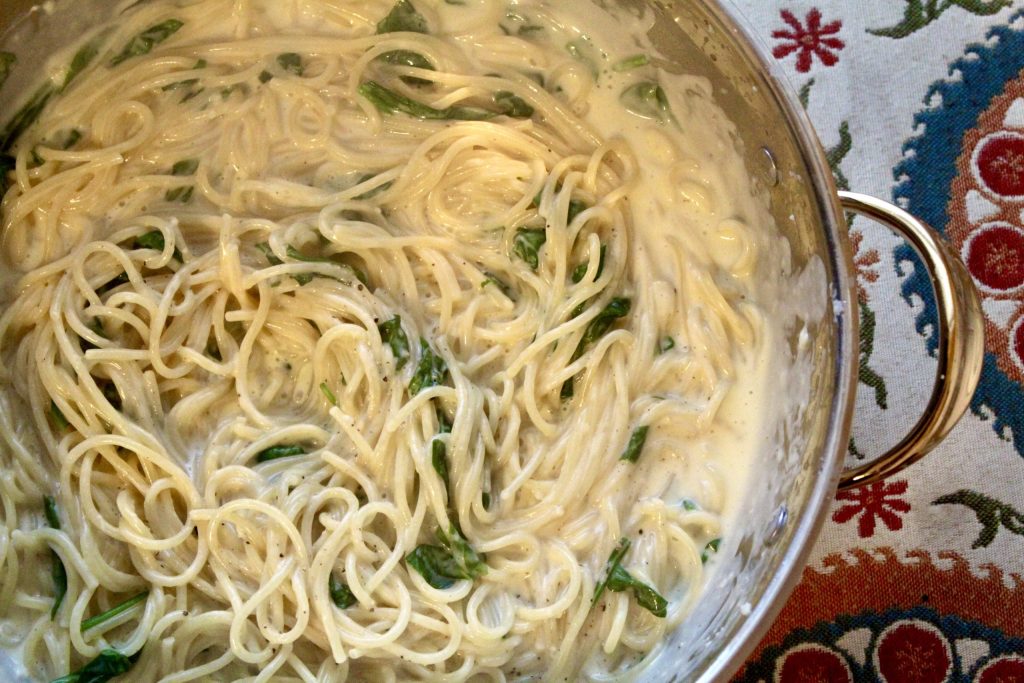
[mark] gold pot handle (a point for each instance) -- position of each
(961, 340)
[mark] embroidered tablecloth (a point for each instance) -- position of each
(917, 579)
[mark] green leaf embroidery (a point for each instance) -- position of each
(145, 42)
(991, 513)
(107, 665)
(279, 451)
(391, 333)
(636, 444)
(919, 13)
(866, 374)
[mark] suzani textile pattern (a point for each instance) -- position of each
(920, 578)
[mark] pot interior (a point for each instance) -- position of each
(794, 475)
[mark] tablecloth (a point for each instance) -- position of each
(917, 578)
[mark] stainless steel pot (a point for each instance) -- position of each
(795, 484)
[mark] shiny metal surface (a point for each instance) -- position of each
(961, 340)
(796, 479)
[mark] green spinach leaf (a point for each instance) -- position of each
(93, 622)
(106, 666)
(57, 570)
(431, 371)
(291, 62)
(279, 451)
(391, 333)
(441, 566)
(390, 102)
(154, 239)
(7, 62)
(619, 580)
(403, 17)
(527, 243)
(581, 270)
(145, 42)
(636, 444)
(647, 100)
(340, 593)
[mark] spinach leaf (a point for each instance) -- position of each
(57, 570)
(527, 244)
(7, 61)
(439, 459)
(403, 17)
(59, 421)
(370, 194)
(304, 278)
(154, 239)
(279, 451)
(391, 333)
(82, 59)
(95, 621)
(408, 58)
(690, 506)
(634, 62)
(188, 82)
(666, 344)
(493, 279)
(121, 279)
(512, 105)
(602, 322)
(182, 168)
(391, 102)
(614, 561)
(581, 270)
(709, 549)
(340, 593)
(291, 62)
(647, 100)
(26, 116)
(619, 580)
(635, 445)
(272, 258)
(107, 665)
(430, 372)
(7, 165)
(441, 566)
(144, 42)
(485, 498)
(265, 76)
(328, 393)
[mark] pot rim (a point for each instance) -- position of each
(842, 294)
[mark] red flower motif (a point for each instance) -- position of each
(875, 500)
(813, 39)
(865, 263)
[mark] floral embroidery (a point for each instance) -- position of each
(874, 500)
(865, 263)
(808, 41)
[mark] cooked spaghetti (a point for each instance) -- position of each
(353, 340)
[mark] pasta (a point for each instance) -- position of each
(371, 341)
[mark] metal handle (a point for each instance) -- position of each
(961, 340)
